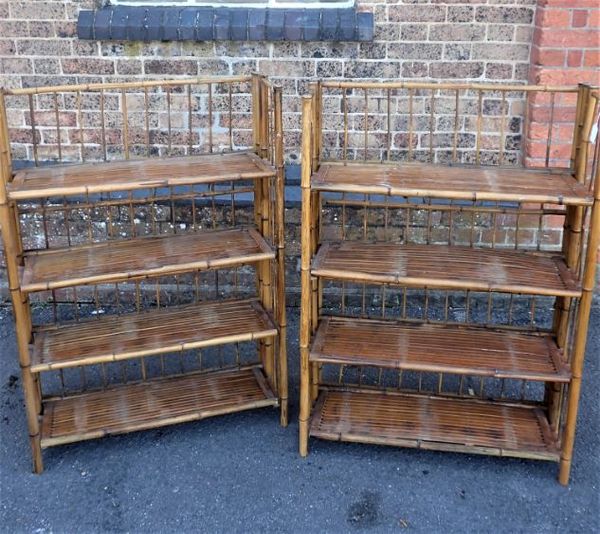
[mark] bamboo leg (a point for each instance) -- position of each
(583, 312)
(572, 248)
(12, 249)
(280, 225)
(583, 317)
(305, 306)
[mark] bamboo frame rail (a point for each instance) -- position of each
(427, 246)
(165, 299)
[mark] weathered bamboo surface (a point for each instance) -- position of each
(448, 267)
(454, 182)
(77, 179)
(434, 423)
(153, 332)
(142, 257)
(153, 404)
(438, 348)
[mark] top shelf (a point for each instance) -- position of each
(453, 182)
(104, 177)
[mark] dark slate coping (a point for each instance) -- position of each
(159, 23)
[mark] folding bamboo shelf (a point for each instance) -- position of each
(437, 312)
(145, 253)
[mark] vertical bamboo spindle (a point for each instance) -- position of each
(305, 311)
(583, 312)
(280, 215)
(8, 223)
(316, 90)
(263, 118)
(255, 112)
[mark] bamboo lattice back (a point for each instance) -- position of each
(473, 124)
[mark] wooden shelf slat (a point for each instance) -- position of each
(466, 182)
(436, 423)
(439, 349)
(142, 257)
(158, 331)
(84, 178)
(153, 404)
(447, 267)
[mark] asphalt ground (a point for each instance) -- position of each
(242, 473)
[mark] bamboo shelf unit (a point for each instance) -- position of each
(447, 283)
(145, 252)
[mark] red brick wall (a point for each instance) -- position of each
(565, 51)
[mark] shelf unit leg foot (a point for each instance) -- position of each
(565, 471)
(303, 438)
(283, 414)
(36, 454)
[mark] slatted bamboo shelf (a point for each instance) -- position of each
(439, 266)
(81, 179)
(461, 182)
(434, 423)
(143, 257)
(439, 349)
(157, 263)
(159, 331)
(153, 404)
(436, 311)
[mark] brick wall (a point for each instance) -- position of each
(459, 39)
(565, 50)
(471, 40)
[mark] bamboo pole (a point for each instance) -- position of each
(316, 91)
(316, 286)
(572, 245)
(266, 228)
(448, 86)
(128, 85)
(579, 345)
(255, 113)
(280, 220)
(583, 314)
(20, 301)
(305, 306)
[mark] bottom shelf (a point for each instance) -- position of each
(459, 425)
(153, 404)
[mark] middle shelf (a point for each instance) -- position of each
(447, 267)
(142, 257)
(159, 331)
(438, 348)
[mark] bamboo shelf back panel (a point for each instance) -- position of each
(153, 404)
(439, 266)
(446, 281)
(143, 225)
(438, 348)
